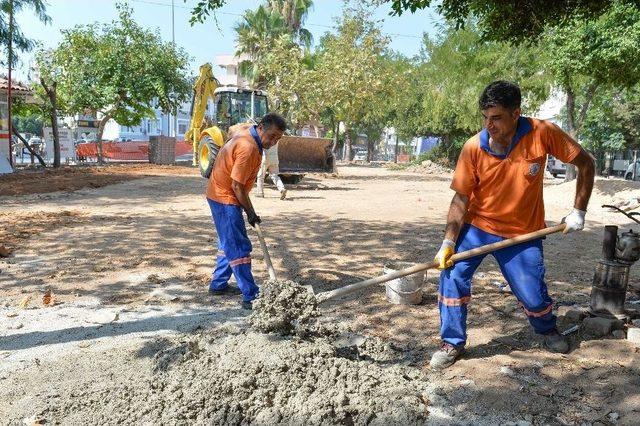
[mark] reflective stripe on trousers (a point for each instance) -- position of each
(234, 250)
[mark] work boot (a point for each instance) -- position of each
(283, 194)
(446, 356)
(556, 342)
(228, 290)
(247, 306)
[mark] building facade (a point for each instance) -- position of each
(17, 91)
(229, 74)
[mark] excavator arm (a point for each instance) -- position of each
(203, 90)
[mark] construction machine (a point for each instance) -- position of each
(215, 108)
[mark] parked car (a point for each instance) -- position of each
(628, 175)
(360, 156)
(555, 166)
(37, 144)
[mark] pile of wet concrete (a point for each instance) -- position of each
(254, 378)
(284, 307)
(244, 376)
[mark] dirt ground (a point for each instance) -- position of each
(71, 178)
(129, 263)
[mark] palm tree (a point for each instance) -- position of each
(294, 13)
(255, 32)
(257, 29)
(260, 27)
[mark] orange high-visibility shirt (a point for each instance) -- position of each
(505, 191)
(239, 160)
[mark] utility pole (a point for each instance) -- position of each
(173, 40)
(10, 56)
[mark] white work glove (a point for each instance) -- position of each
(574, 221)
(443, 257)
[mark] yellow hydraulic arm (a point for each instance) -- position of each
(203, 90)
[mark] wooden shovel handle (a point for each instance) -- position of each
(265, 252)
(327, 295)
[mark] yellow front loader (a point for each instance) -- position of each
(233, 105)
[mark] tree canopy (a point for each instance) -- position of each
(586, 49)
(19, 41)
(498, 20)
(259, 29)
(121, 71)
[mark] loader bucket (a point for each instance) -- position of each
(298, 154)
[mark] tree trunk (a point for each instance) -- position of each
(336, 132)
(30, 149)
(101, 126)
(570, 173)
(370, 149)
(53, 97)
(347, 145)
(635, 165)
(52, 94)
(575, 120)
(395, 154)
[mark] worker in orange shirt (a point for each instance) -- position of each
(498, 195)
(232, 178)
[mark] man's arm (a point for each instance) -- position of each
(586, 174)
(455, 219)
(245, 202)
(586, 171)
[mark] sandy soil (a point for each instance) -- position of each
(70, 178)
(128, 266)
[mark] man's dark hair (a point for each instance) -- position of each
(501, 93)
(273, 119)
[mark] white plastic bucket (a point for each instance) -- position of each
(404, 290)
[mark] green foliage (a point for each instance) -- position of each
(261, 29)
(522, 21)
(453, 70)
(290, 80)
(350, 69)
(613, 122)
(589, 59)
(120, 70)
(19, 41)
(202, 9)
(498, 20)
(604, 50)
(294, 13)
(28, 124)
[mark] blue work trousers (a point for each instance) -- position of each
(234, 250)
(522, 266)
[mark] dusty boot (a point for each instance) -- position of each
(556, 342)
(247, 306)
(446, 356)
(283, 194)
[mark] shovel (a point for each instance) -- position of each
(265, 252)
(328, 295)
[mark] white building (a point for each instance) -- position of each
(552, 107)
(17, 90)
(230, 68)
(161, 124)
(390, 140)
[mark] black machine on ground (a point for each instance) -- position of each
(611, 276)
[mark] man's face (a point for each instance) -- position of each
(269, 137)
(500, 122)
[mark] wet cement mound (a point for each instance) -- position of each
(254, 378)
(283, 307)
